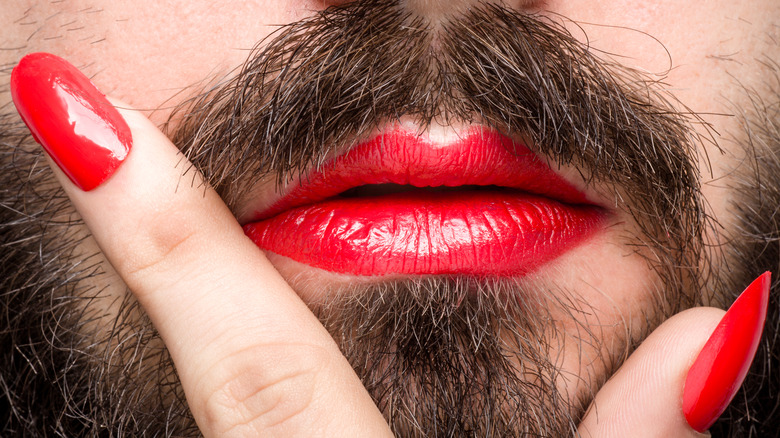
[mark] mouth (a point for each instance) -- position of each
(482, 205)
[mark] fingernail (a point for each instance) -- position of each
(81, 131)
(720, 368)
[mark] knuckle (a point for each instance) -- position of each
(160, 244)
(267, 390)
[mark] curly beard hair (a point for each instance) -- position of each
(442, 356)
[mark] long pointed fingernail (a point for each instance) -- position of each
(722, 364)
(82, 132)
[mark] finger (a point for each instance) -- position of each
(684, 375)
(644, 397)
(251, 357)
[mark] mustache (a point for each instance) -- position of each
(321, 83)
(318, 85)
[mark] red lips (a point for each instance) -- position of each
(482, 205)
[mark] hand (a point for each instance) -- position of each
(251, 357)
(683, 376)
(644, 397)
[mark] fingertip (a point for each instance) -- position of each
(70, 118)
(722, 364)
(646, 393)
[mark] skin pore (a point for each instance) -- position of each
(715, 74)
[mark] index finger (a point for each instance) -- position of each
(251, 357)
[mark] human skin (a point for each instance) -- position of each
(129, 54)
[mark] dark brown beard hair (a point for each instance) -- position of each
(69, 368)
(450, 356)
(752, 249)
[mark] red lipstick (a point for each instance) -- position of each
(399, 204)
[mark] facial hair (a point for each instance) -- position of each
(323, 83)
(316, 85)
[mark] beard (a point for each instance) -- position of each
(459, 356)
(441, 356)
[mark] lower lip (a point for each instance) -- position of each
(429, 233)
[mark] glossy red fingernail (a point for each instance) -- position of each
(720, 368)
(70, 118)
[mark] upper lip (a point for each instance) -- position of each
(472, 160)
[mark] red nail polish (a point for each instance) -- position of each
(70, 118)
(720, 368)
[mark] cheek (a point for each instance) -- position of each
(155, 55)
(705, 54)
(684, 43)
